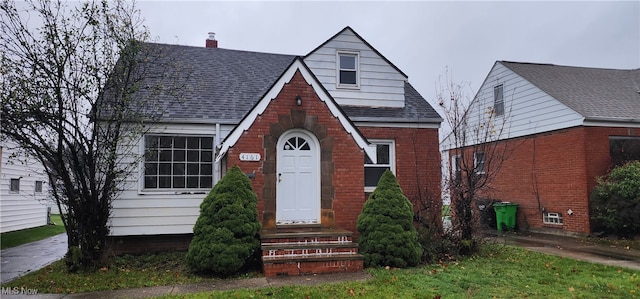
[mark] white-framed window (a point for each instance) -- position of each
(178, 162)
(14, 186)
(456, 168)
(478, 162)
(38, 186)
(551, 218)
(385, 151)
(498, 100)
(348, 67)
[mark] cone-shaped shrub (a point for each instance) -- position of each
(387, 235)
(225, 237)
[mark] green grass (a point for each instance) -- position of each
(15, 238)
(126, 271)
(505, 273)
(496, 272)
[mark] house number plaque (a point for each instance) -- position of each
(249, 157)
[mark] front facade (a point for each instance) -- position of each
(23, 190)
(563, 128)
(313, 133)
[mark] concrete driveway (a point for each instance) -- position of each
(20, 260)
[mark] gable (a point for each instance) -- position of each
(597, 94)
(297, 66)
(380, 83)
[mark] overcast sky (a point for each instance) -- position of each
(422, 38)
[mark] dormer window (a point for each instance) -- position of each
(348, 63)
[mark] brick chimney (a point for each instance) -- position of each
(211, 41)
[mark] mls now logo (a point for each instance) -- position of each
(18, 291)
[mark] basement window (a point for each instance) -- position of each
(552, 218)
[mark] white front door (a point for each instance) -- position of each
(298, 179)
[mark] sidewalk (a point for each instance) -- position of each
(20, 260)
(571, 247)
(229, 284)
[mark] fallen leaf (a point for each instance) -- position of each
(351, 292)
(571, 289)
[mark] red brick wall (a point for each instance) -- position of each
(348, 158)
(555, 171)
(417, 163)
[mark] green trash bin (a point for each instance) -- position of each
(505, 215)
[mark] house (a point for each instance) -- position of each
(564, 126)
(313, 133)
(23, 190)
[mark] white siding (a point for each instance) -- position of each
(26, 208)
(381, 85)
(150, 213)
(527, 109)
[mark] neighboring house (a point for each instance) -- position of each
(564, 127)
(23, 190)
(313, 133)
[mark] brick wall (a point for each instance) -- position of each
(555, 172)
(342, 168)
(417, 164)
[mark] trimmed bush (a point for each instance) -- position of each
(225, 236)
(615, 201)
(387, 235)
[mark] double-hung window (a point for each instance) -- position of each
(456, 168)
(498, 100)
(478, 162)
(385, 151)
(178, 162)
(348, 69)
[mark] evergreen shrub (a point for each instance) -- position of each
(615, 201)
(225, 236)
(387, 235)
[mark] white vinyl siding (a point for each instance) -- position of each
(137, 211)
(25, 208)
(380, 84)
(527, 109)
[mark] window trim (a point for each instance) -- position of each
(499, 101)
(392, 159)
(356, 70)
(547, 216)
(476, 163)
(141, 178)
(14, 188)
(38, 186)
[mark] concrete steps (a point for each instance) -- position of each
(309, 250)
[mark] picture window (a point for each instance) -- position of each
(178, 162)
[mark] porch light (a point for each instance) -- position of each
(298, 100)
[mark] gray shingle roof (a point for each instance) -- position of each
(595, 93)
(210, 85)
(416, 109)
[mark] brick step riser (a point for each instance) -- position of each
(308, 240)
(312, 267)
(309, 252)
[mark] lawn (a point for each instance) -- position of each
(15, 238)
(496, 272)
